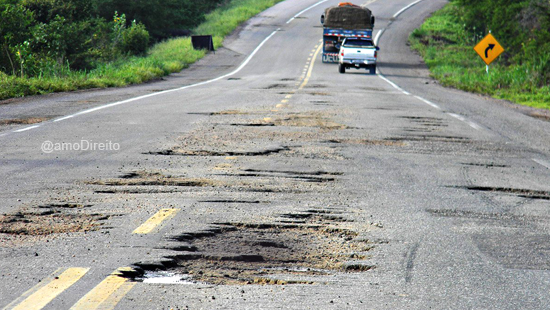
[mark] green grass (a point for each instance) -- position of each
(447, 49)
(164, 58)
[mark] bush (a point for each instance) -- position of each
(135, 40)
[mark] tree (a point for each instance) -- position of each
(160, 17)
(15, 25)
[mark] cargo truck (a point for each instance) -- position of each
(346, 20)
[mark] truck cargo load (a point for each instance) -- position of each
(348, 17)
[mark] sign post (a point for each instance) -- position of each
(488, 49)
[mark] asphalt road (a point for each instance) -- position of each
(262, 164)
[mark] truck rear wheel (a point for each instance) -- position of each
(341, 68)
(372, 69)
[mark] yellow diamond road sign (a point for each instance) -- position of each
(489, 49)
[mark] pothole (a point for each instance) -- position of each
(316, 86)
(318, 172)
(129, 191)
(316, 93)
(365, 142)
(422, 130)
(64, 206)
(303, 178)
(524, 193)
(145, 178)
(488, 165)
(23, 121)
(499, 219)
(253, 124)
(268, 253)
(298, 120)
(276, 86)
(181, 152)
(53, 221)
(225, 112)
(428, 121)
(233, 201)
(431, 138)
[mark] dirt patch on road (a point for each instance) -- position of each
(23, 121)
(27, 226)
(292, 250)
(47, 222)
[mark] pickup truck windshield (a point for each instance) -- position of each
(358, 43)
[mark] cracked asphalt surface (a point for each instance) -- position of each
(285, 185)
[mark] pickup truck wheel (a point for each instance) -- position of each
(341, 68)
(372, 69)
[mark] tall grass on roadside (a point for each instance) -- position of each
(447, 49)
(164, 58)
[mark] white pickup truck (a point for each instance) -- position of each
(357, 53)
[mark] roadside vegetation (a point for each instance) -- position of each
(63, 45)
(521, 74)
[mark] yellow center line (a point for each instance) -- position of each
(306, 80)
(155, 221)
(43, 293)
(107, 294)
(308, 69)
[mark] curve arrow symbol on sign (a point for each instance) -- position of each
(491, 46)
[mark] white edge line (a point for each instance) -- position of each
(458, 117)
(428, 102)
(474, 125)
(393, 84)
(406, 8)
(378, 35)
(27, 128)
(305, 10)
(470, 123)
(542, 162)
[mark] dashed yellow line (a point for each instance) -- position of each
(306, 74)
(42, 294)
(107, 294)
(155, 221)
(306, 80)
